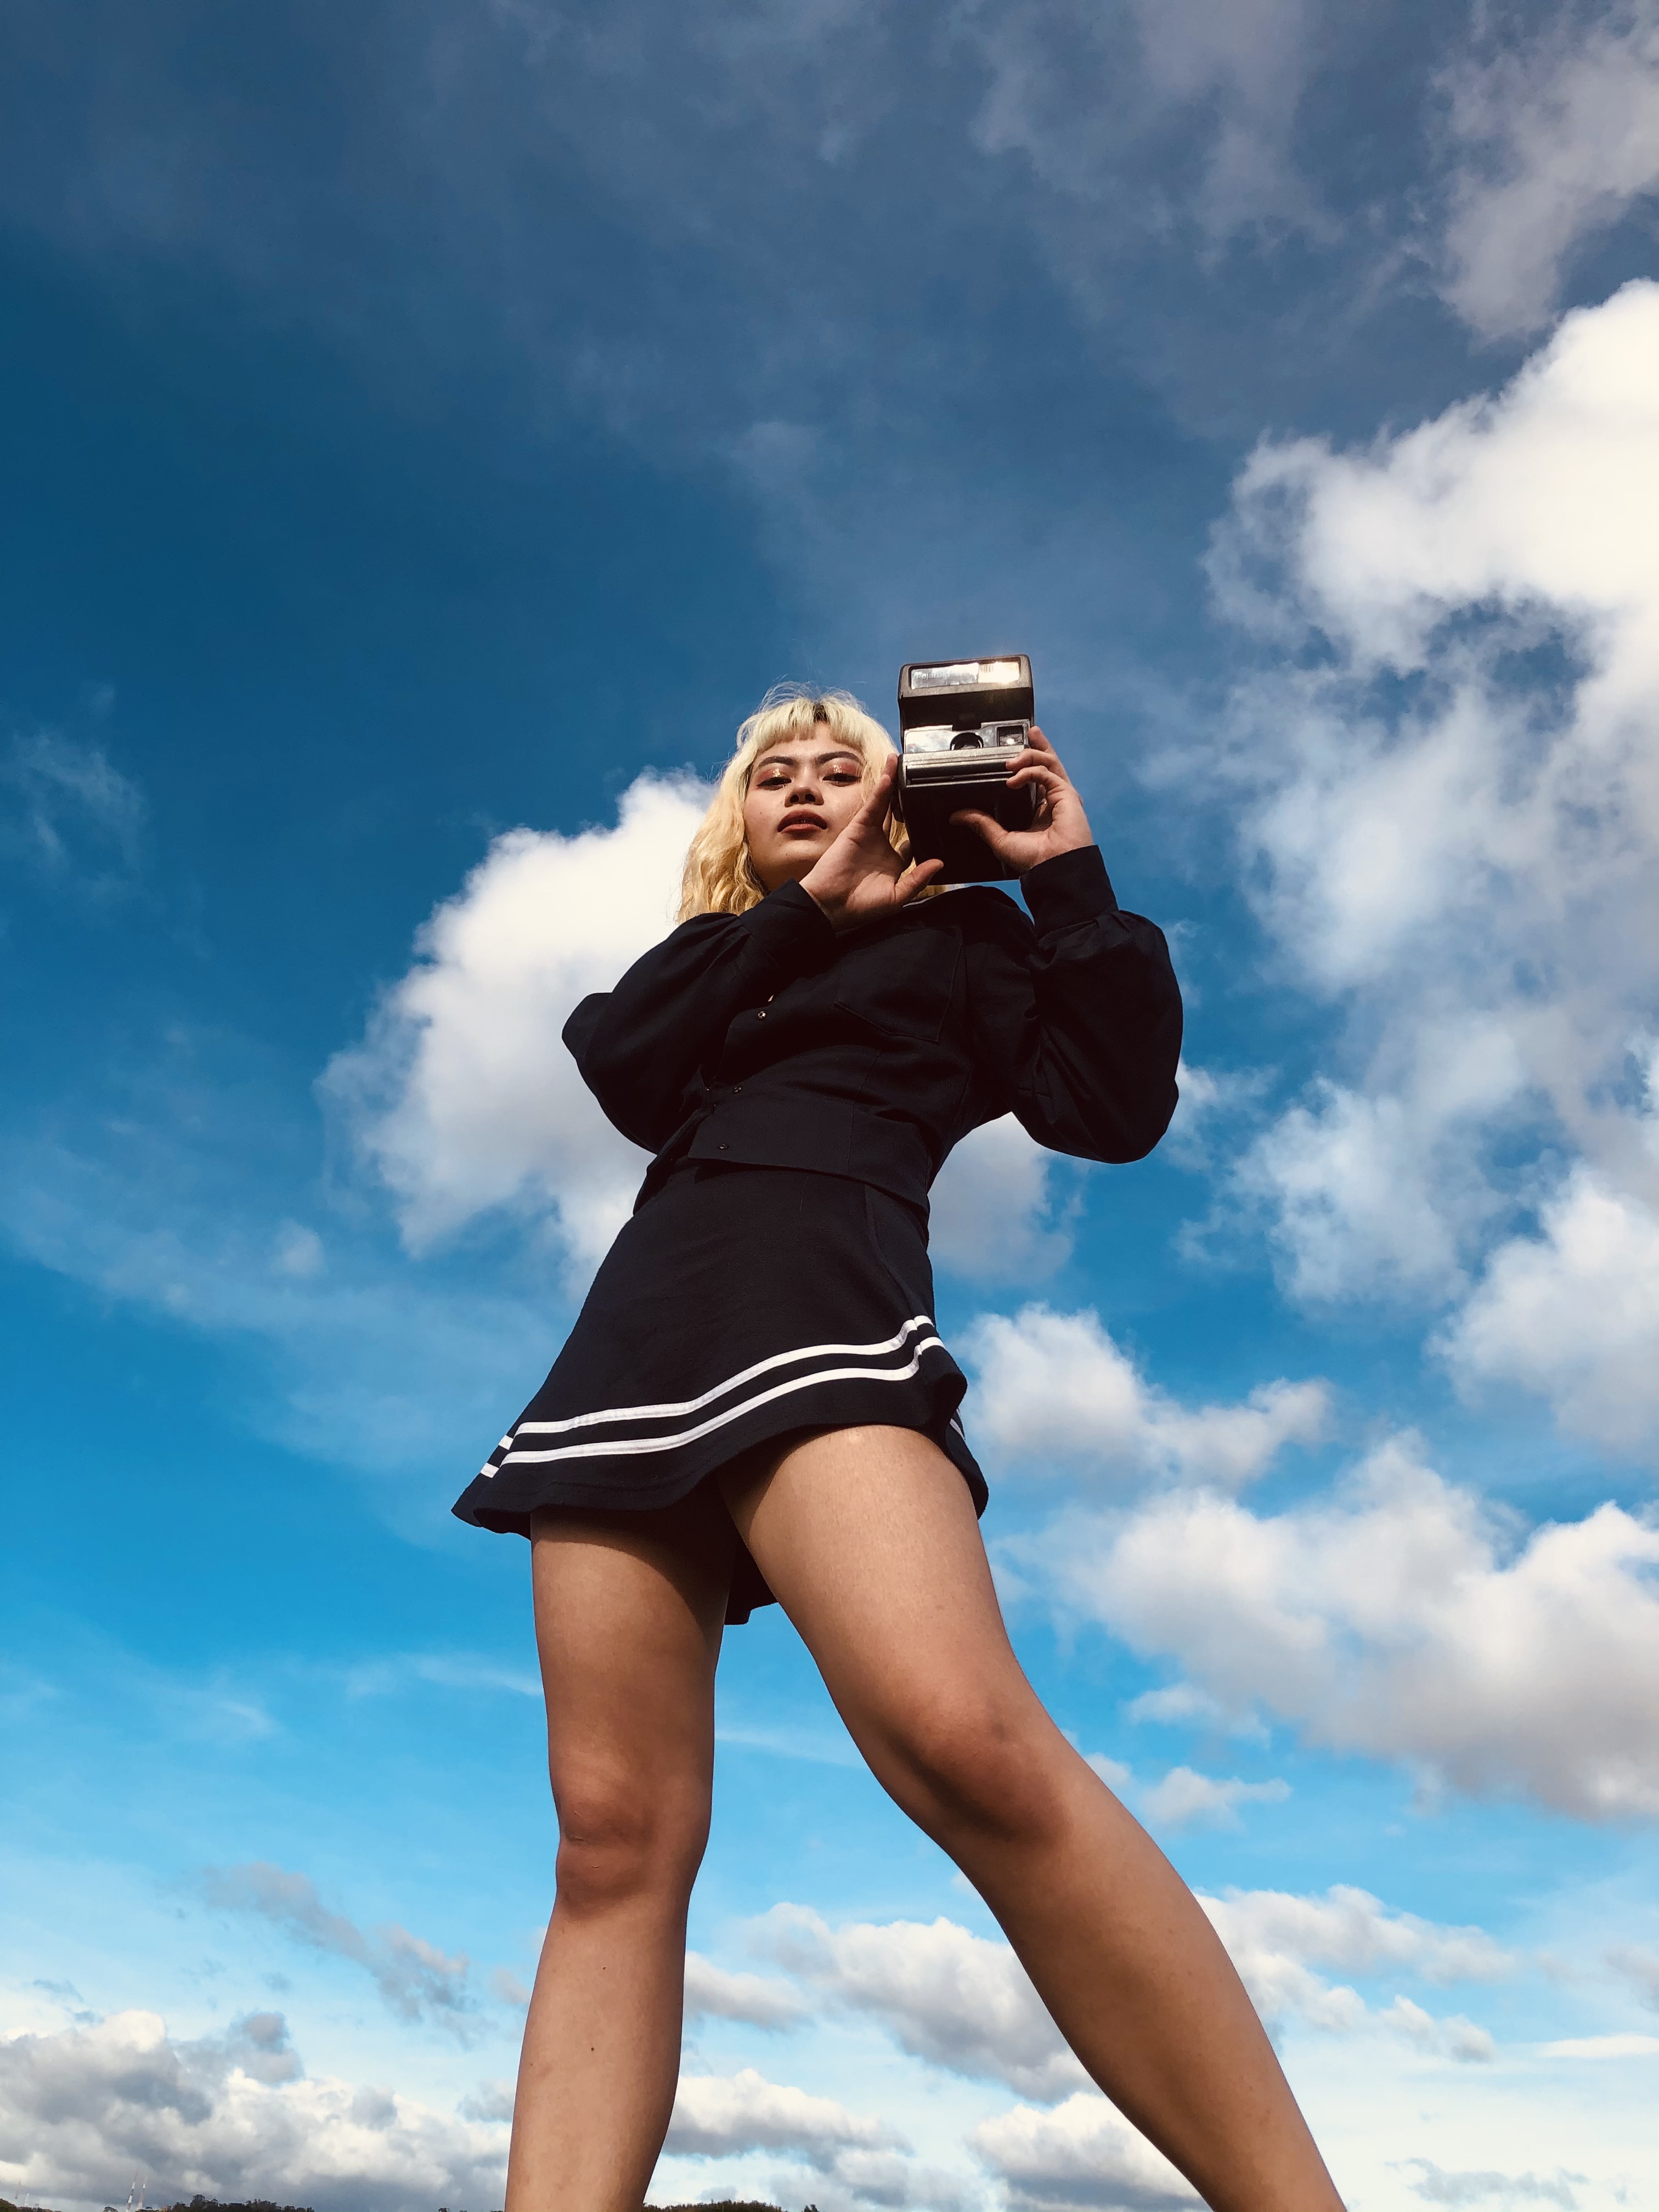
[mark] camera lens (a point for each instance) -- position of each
(965, 741)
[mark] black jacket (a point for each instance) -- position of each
(766, 1039)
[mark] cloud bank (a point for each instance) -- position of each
(88, 2105)
(1055, 1393)
(1399, 1617)
(1450, 776)
(720, 2116)
(236, 2115)
(964, 2002)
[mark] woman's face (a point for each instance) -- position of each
(802, 794)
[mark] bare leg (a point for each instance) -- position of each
(868, 1538)
(629, 1609)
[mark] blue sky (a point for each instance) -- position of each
(427, 432)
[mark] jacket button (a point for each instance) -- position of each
(725, 1148)
(760, 1013)
(736, 1087)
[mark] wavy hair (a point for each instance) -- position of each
(719, 878)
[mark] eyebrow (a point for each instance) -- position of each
(789, 760)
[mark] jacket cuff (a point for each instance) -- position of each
(1072, 888)
(789, 929)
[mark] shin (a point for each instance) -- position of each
(628, 1623)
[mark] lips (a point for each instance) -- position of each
(803, 820)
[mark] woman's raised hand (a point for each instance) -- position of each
(1059, 825)
(861, 877)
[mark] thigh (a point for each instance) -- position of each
(629, 1613)
(869, 1540)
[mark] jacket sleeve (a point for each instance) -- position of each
(640, 1047)
(1076, 1023)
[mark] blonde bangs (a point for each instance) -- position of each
(718, 877)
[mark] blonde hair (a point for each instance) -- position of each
(718, 878)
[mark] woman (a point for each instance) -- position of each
(755, 1403)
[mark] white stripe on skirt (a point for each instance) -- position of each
(667, 1412)
(615, 1446)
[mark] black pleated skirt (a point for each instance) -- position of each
(739, 1305)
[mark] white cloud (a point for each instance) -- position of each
(1640, 1967)
(718, 2116)
(1252, 62)
(507, 1988)
(1437, 2184)
(1449, 771)
(1277, 1940)
(82, 2105)
(67, 811)
(1360, 1195)
(964, 2002)
(1551, 142)
(417, 1979)
(447, 1670)
(991, 1217)
(1533, 501)
(1401, 1619)
(1456, 2036)
(1212, 1102)
(944, 1994)
(1573, 1312)
(1052, 1389)
(890, 2183)
(1071, 93)
(1184, 1798)
(1188, 1799)
(461, 1095)
(1602, 2046)
(490, 2100)
(1081, 2153)
(260, 2045)
(298, 1250)
(1181, 1702)
(711, 1992)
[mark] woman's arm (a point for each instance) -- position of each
(639, 1045)
(1080, 1031)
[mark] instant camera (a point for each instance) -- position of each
(964, 726)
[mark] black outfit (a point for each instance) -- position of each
(800, 1090)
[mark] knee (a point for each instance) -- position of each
(625, 1837)
(970, 1768)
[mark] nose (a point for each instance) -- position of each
(804, 793)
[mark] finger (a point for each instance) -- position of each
(1041, 760)
(986, 826)
(874, 806)
(1038, 744)
(914, 878)
(877, 807)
